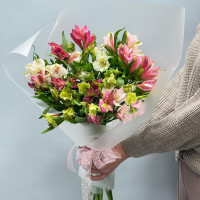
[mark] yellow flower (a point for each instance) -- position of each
(83, 87)
(68, 113)
(131, 98)
(129, 88)
(54, 93)
(66, 94)
(49, 118)
(93, 109)
(109, 81)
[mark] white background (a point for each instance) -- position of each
(33, 166)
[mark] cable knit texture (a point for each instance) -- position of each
(175, 122)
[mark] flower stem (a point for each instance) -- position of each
(109, 194)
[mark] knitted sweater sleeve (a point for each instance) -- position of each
(178, 130)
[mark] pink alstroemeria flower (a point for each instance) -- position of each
(124, 114)
(82, 38)
(128, 55)
(139, 106)
(119, 96)
(107, 100)
(137, 62)
(75, 56)
(59, 83)
(149, 72)
(132, 41)
(147, 85)
(58, 51)
(37, 81)
(94, 119)
(125, 53)
(109, 41)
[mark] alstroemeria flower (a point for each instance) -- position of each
(34, 68)
(128, 54)
(149, 72)
(125, 114)
(101, 63)
(59, 83)
(58, 51)
(40, 80)
(147, 85)
(109, 82)
(131, 98)
(94, 119)
(82, 38)
(137, 62)
(83, 87)
(93, 109)
(109, 41)
(125, 53)
(68, 113)
(75, 56)
(90, 95)
(108, 98)
(50, 118)
(139, 107)
(57, 70)
(119, 96)
(66, 94)
(132, 41)
(104, 107)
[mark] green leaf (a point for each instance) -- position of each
(64, 42)
(124, 37)
(85, 57)
(80, 119)
(75, 102)
(90, 77)
(73, 69)
(52, 61)
(110, 51)
(77, 64)
(43, 98)
(72, 75)
(116, 37)
(88, 67)
(45, 112)
(48, 129)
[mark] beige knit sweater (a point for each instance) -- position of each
(175, 122)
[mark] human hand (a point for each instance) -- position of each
(110, 167)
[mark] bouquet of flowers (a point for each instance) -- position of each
(96, 84)
(93, 84)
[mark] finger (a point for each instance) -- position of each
(97, 178)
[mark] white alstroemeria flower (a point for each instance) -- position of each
(56, 70)
(101, 61)
(34, 68)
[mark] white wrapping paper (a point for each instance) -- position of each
(160, 28)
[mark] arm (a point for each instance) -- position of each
(179, 130)
(166, 103)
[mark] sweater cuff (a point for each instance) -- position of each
(133, 146)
